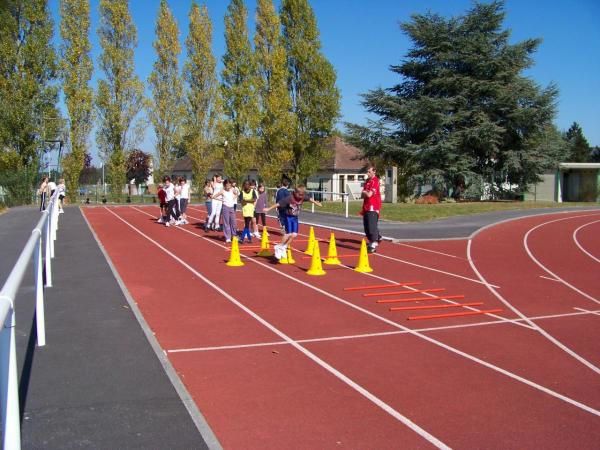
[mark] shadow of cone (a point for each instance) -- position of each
(265, 249)
(311, 241)
(234, 258)
(315, 263)
(363, 259)
(332, 256)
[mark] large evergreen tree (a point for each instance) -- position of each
(276, 128)
(311, 83)
(76, 70)
(120, 96)
(463, 110)
(201, 95)
(28, 95)
(238, 91)
(167, 111)
(579, 148)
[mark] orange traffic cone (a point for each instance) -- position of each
(234, 258)
(363, 259)
(265, 249)
(315, 263)
(311, 241)
(332, 257)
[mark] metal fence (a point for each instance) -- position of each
(42, 237)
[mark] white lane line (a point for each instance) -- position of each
(548, 278)
(431, 251)
(370, 335)
(472, 358)
(522, 316)
(596, 313)
(579, 245)
(544, 268)
(336, 373)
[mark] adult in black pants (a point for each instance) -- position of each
(371, 209)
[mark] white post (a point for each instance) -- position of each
(9, 382)
(347, 201)
(103, 184)
(39, 294)
(48, 253)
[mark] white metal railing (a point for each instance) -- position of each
(319, 195)
(43, 235)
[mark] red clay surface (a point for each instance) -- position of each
(275, 358)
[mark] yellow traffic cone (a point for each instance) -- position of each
(363, 260)
(315, 263)
(289, 259)
(311, 241)
(234, 259)
(265, 249)
(332, 257)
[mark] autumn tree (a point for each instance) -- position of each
(311, 83)
(238, 93)
(28, 94)
(166, 112)
(119, 99)
(201, 95)
(76, 70)
(276, 126)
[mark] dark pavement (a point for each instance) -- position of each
(102, 381)
(98, 382)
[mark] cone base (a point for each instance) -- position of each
(363, 269)
(332, 261)
(316, 272)
(234, 263)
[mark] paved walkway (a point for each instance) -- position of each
(101, 381)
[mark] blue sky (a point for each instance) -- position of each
(362, 39)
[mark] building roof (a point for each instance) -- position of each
(579, 165)
(345, 158)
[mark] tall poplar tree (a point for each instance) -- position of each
(76, 70)
(311, 82)
(276, 127)
(28, 95)
(120, 96)
(238, 92)
(201, 95)
(166, 112)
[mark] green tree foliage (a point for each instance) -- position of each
(28, 97)
(76, 70)
(167, 110)
(463, 111)
(201, 95)
(238, 93)
(579, 148)
(138, 166)
(311, 83)
(120, 96)
(276, 127)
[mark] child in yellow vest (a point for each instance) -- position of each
(248, 200)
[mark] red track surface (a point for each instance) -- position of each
(379, 381)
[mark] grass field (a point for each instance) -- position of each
(409, 212)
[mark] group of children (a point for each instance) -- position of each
(221, 200)
(47, 189)
(173, 200)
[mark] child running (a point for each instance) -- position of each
(292, 204)
(227, 197)
(248, 201)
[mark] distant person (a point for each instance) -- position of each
(162, 203)
(212, 223)
(291, 204)
(184, 199)
(247, 199)
(43, 193)
(371, 209)
(62, 190)
(51, 187)
(261, 204)
(227, 197)
(208, 193)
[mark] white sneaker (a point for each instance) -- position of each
(278, 251)
(167, 224)
(228, 241)
(60, 211)
(257, 234)
(160, 220)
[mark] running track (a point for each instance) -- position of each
(275, 358)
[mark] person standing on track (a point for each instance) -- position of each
(371, 209)
(162, 203)
(172, 210)
(184, 199)
(212, 223)
(227, 197)
(261, 204)
(292, 204)
(247, 199)
(43, 192)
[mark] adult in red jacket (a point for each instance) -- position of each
(371, 209)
